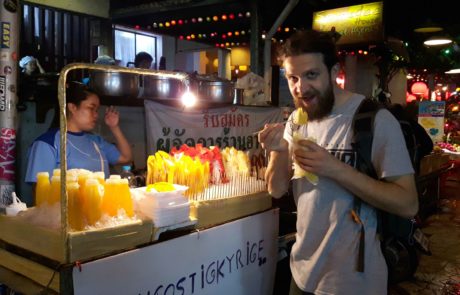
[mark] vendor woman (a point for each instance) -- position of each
(84, 149)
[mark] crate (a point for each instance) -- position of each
(83, 245)
(212, 212)
(433, 162)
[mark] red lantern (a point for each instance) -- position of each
(419, 88)
(410, 98)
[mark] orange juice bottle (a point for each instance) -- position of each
(83, 176)
(42, 190)
(110, 203)
(125, 197)
(100, 176)
(55, 190)
(93, 200)
(56, 171)
(75, 209)
(71, 176)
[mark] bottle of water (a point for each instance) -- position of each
(126, 173)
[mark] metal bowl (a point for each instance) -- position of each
(156, 87)
(216, 91)
(114, 83)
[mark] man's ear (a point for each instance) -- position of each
(335, 71)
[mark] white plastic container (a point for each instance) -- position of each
(164, 208)
(17, 206)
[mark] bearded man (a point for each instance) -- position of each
(324, 257)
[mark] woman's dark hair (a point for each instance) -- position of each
(142, 56)
(77, 92)
(311, 41)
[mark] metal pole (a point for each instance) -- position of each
(9, 27)
(268, 43)
(63, 125)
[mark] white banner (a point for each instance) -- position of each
(169, 126)
(238, 257)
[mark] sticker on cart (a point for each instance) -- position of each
(7, 153)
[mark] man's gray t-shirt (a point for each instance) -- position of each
(324, 256)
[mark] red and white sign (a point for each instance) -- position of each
(235, 126)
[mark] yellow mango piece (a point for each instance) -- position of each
(300, 117)
(161, 187)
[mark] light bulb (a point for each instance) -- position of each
(188, 99)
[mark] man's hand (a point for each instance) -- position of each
(271, 138)
(112, 117)
(316, 159)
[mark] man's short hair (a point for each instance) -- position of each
(310, 41)
(142, 56)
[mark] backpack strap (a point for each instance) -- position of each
(363, 133)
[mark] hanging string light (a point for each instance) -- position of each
(225, 17)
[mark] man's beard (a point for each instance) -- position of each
(325, 103)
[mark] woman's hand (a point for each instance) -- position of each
(112, 117)
(316, 159)
(39, 66)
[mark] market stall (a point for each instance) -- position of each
(201, 258)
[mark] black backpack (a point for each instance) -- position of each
(396, 233)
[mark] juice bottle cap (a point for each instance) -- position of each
(99, 174)
(73, 185)
(56, 178)
(111, 181)
(115, 176)
(91, 181)
(57, 171)
(71, 178)
(43, 174)
(72, 172)
(123, 181)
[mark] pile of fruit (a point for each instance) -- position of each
(197, 167)
(180, 169)
(446, 146)
(236, 162)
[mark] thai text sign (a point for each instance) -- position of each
(238, 257)
(357, 24)
(223, 127)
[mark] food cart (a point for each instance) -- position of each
(236, 254)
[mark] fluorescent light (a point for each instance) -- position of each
(429, 29)
(454, 71)
(428, 26)
(436, 40)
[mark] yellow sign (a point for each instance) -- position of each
(357, 24)
(6, 34)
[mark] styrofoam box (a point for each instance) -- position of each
(164, 208)
(160, 199)
(172, 215)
